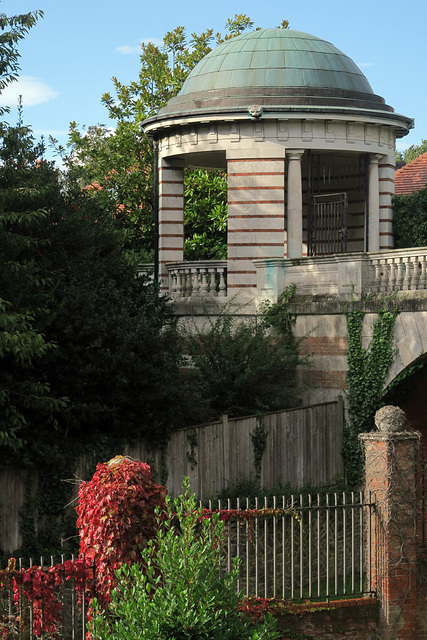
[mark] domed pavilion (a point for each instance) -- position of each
(308, 148)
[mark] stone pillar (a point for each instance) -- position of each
(171, 218)
(294, 213)
(386, 171)
(256, 181)
(390, 470)
(374, 203)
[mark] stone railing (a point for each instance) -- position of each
(399, 270)
(197, 279)
(339, 274)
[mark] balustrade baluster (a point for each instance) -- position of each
(204, 281)
(408, 276)
(392, 278)
(188, 283)
(181, 283)
(415, 273)
(376, 287)
(222, 286)
(385, 275)
(423, 276)
(212, 281)
(195, 284)
(399, 278)
(174, 285)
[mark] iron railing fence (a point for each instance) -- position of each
(297, 548)
(302, 547)
(27, 617)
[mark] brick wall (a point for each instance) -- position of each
(391, 469)
(355, 619)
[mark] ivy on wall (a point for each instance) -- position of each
(259, 442)
(367, 371)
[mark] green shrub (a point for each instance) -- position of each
(410, 219)
(244, 364)
(177, 592)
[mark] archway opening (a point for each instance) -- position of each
(409, 392)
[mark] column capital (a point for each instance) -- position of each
(374, 158)
(294, 154)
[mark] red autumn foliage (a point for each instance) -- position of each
(116, 518)
(42, 588)
(257, 608)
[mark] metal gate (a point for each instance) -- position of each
(333, 182)
(327, 231)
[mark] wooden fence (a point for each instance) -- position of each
(302, 445)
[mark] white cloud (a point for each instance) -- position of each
(127, 50)
(366, 64)
(130, 50)
(33, 91)
(55, 133)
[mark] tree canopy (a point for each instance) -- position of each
(85, 346)
(412, 152)
(12, 30)
(117, 166)
(410, 219)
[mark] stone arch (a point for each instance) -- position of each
(410, 337)
(409, 393)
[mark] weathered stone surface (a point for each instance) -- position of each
(390, 419)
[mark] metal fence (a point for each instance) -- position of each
(42, 600)
(294, 548)
(305, 547)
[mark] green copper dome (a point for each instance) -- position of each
(277, 70)
(276, 58)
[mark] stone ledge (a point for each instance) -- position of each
(388, 437)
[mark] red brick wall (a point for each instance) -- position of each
(344, 620)
(391, 463)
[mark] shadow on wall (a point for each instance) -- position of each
(410, 394)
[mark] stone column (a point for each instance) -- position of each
(390, 470)
(374, 203)
(256, 185)
(386, 171)
(294, 213)
(171, 218)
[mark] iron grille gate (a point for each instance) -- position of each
(327, 228)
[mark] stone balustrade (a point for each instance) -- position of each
(197, 279)
(399, 270)
(340, 274)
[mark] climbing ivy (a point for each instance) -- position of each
(367, 371)
(192, 441)
(259, 442)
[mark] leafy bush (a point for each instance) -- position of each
(245, 365)
(410, 220)
(178, 592)
(205, 215)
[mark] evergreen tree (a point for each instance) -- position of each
(25, 191)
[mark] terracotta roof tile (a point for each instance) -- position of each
(412, 177)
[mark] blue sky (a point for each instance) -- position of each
(70, 56)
